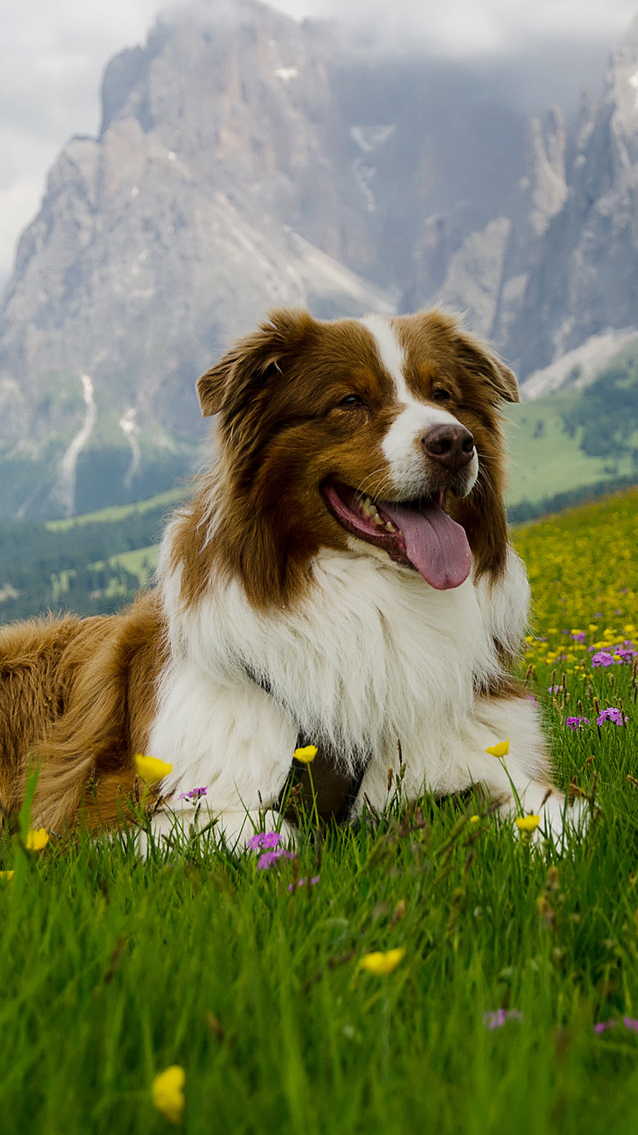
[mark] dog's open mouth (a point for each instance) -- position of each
(415, 533)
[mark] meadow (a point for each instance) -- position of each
(429, 969)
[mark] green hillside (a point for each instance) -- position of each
(570, 443)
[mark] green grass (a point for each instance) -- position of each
(119, 511)
(544, 460)
(113, 969)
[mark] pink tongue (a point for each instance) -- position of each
(434, 543)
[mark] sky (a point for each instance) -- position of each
(52, 56)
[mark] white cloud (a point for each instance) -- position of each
(52, 57)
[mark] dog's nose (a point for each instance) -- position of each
(451, 445)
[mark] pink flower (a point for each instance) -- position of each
(612, 714)
(263, 840)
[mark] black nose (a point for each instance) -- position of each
(451, 445)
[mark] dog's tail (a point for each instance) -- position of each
(86, 760)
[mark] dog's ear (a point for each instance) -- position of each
(480, 359)
(251, 361)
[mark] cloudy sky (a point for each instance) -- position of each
(52, 56)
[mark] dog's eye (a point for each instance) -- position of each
(441, 395)
(351, 400)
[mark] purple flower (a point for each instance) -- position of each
(194, 794)
(624, 654)
(262, 840)
(602, 658)
(580, 637)
(612, 714)
(302, 882)
(497, 1019)
(269, 857)
(554, 689)
(629, 1023)
(577, 722)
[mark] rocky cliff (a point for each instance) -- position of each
(249, 162)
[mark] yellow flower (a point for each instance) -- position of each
(7, 875)
(167, 1091)
(527, 823)
(381, 963)
(306, 754)
(150, 769)
(37, 838)
(500, 750)
(474, 819)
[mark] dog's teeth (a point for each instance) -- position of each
(366, 506)
(377, 519)
(389, 527)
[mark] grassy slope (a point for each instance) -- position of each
(544, 460)
(113, 970)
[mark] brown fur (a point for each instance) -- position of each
(77, 700)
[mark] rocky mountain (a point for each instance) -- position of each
(249, 161)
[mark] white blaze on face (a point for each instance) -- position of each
(402, 444)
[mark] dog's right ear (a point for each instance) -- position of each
(252, 361)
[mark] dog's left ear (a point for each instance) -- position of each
(480, 359)
(251, 361)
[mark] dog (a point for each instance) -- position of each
(342, 577)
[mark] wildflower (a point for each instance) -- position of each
(630, 1023)
(499, 750)
(624, 654)
(381, 963)
(612, 714)
(497, 1018)
(602, 658)
(36, 839)
(577, 722)
(150, 769)
(474, 819)
(527, 823)
(306, 754)
(263, 840)
(302, 883)
(7, 875)
(602, 1026)
(194, 794)
(167, 1091)
(554, 689)
(269, 857)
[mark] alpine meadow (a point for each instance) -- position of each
(431, 967)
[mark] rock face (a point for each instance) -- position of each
(585, 281)
(248, 162)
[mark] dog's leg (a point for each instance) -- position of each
(230, 746)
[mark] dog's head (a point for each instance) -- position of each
(380, 435)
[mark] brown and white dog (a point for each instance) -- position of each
(343, 573)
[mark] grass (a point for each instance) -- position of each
(114, 970)
(544, 460)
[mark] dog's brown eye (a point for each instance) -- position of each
(351, 400)
(441, 395)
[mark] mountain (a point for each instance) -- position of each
(247, 161)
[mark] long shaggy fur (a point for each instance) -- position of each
(271, 618)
